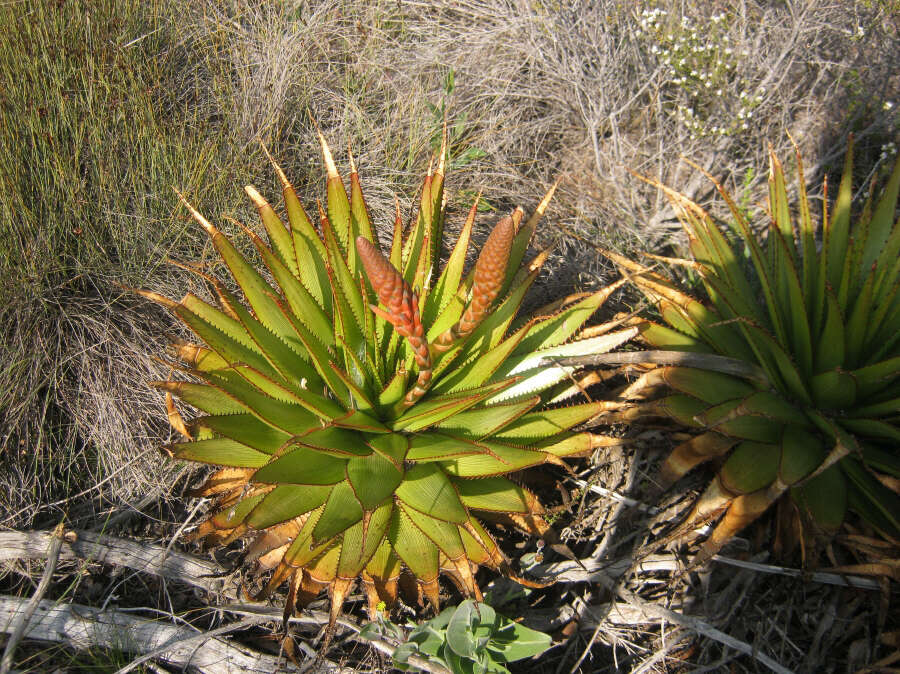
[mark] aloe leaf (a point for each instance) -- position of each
(337, 203)
(750, 467)
(302, 466)
(487, 421)
(523, 237)
(833, 390)
(221, 451)
(360, 222)
(415, 243)
(795, 308)
(360, 542)
(309, 250)
(885, 408)
(772, 406)
(871, 499)
(342, 510)
(285, 502)
(373, 479)
(824, 498)
(246, 429)
(579, 444)
(347, 298)
(500, 460)
(304, 306)
(659, 336)
(392, 446)
(808, 242)
(536, 376)
(872, 428)
(493, 493)
(710, 387)
(278, 234)
(786, 368)
(427, 488)
(287, 416)
(434, 410)
(837, 230)
(442, 533)
(882, 220)
(831, 343)
(801, 453)
(416, 550)
(206, 398)
(438, 447)
(289, 361)
(226, 346)
(875, 377)
(545, 423)
(448, 282)
(258, 292)
(859, 319)
(233, 516)
(476, 372)
(560, 328)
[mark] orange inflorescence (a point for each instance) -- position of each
(402, 310)
(490, 270)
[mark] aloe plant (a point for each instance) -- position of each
(801, 399)
(366, 410)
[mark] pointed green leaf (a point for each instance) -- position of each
(220, 451)
(750, 467)
(830, 344)
(837, 231)
(342, 510)
(235, 515)
(434, 410)
(824, 498)
(392, 446)
(801, 454)
(246, 429)
(286, 502)
(442, 533)
(493, 493)
(360, 541)
(207, 398)
(427, 488)
(437, 447)
(833, 390)
(545, 423)
(373, 479)
(502, 459)
(487, 421)
(882, 219)
(416, 550)
(302, 466)
(339, 442)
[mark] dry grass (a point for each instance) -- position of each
(110, 104)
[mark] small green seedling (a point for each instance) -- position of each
(470, 638)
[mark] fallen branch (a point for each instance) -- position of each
(146, 557)
(84, 627)
(20, 621)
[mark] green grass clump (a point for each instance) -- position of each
(99, 117)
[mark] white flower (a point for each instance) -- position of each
(887, 105)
